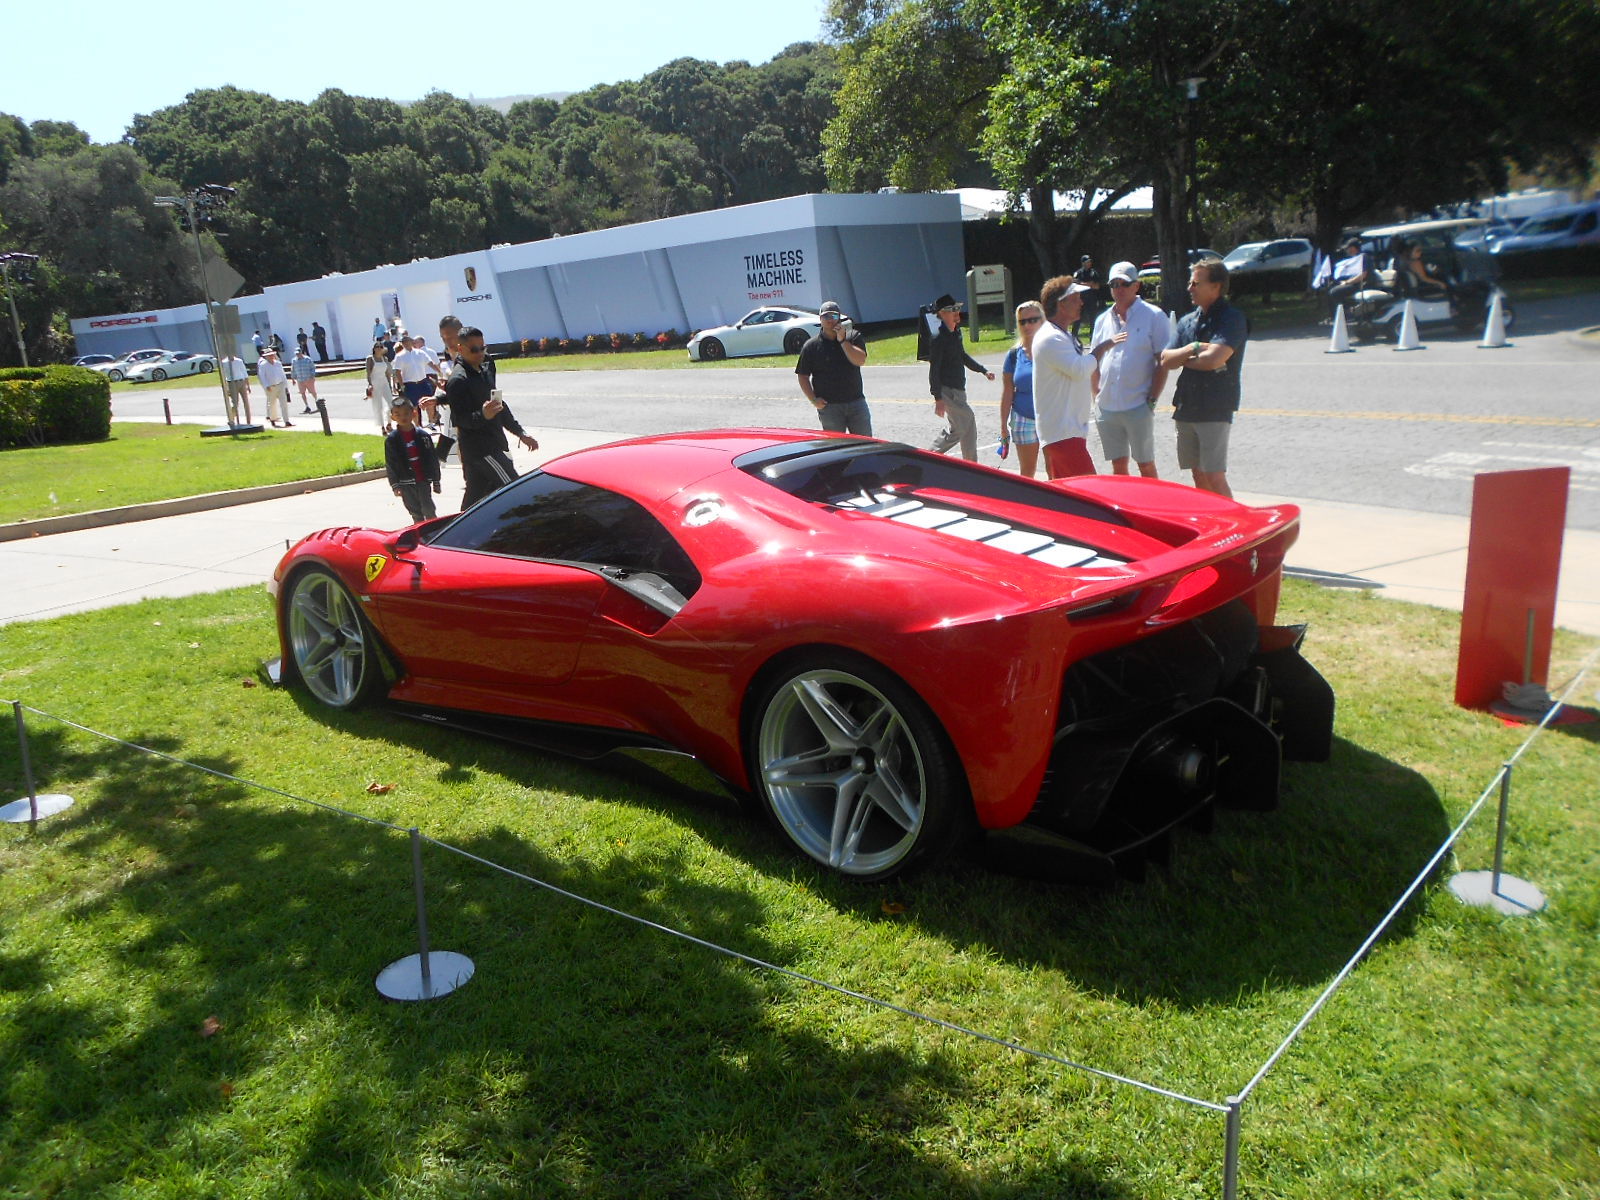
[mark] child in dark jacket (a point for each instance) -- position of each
(412, 463)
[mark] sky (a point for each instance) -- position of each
(99, 64)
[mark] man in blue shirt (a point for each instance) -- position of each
(1209, 351)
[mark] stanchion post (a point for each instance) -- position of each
(412, 977)
(422, 909)
(1500, 825)
(1230, 1156)
(27, 763)
(166, 407)
(1506, 894)
(35, 806)
(322, 411)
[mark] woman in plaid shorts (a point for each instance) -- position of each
(1016, 392)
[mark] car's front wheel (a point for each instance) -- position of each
(711, 350)
(794, 341)
(334, 647)
(855, 768)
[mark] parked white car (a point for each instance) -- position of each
(117, 369)
(759, 331)
(169, 366)
(1259, 258)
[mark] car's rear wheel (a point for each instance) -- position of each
(855, 768)
(207, 367)
(114, 376)
(711, 350)
(158, 374)
(334, 647)
(794, 341)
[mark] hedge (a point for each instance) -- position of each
(42, 406)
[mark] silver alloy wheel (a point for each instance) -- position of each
(330, 640)
(843, 772)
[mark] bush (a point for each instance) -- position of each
(546, 345)
(42, 406)
(640, 341)
(595, 341)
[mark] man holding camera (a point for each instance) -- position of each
(829, 370)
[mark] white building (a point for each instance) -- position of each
(879, 256)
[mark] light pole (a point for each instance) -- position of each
(16, 262)
(1191, 87)
(198, 205)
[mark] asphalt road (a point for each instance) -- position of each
(1404, 430)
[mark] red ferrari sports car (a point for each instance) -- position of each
(889, 648)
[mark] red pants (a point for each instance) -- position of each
(1070, 456)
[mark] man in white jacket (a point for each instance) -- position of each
(275, 382)
(1063, 381)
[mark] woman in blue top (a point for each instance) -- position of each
(1016, 393)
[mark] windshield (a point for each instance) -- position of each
(1243, 253)
(1548, 225)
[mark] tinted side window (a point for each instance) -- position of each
(546, 517)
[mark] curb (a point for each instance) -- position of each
(96, 518)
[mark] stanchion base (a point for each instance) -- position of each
(402, 979)
(18, 810)
(231, 430)
(1516, 897)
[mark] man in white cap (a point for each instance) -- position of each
(1063, 381)
(1131, 377)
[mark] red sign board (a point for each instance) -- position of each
(1513, 562)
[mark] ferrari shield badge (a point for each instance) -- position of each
(375, 565)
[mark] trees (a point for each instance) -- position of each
(104, 245)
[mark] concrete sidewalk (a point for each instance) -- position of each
(1414, 556)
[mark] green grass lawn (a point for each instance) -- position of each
(186, 964)
(139, 463)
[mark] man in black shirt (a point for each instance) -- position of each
(948, 364)
(829, 370)
(1094, 299)
(481, 419)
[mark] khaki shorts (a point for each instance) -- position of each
(1129, 433)
(1203, 445)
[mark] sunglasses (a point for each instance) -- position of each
(1029, 320)
(478, 349)
(1122, 283)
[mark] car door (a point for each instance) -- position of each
(757, 334)
(504, 596)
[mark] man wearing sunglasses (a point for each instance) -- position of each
(829, 371)
(1131, 376)
(481, 420)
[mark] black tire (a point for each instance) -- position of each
(158, 374)
(207, 367)
(711, 350)
(794, 340)
(114, 376)
(854, 768)
(333, 646)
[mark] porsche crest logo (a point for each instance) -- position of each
(472, 279)
(375, 565)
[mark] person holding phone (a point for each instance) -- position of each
(829, 371)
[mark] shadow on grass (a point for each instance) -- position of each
(1266, 900)
(590, 1056)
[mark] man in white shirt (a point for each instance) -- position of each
(1131, 376)
(275, 382)
(418, 377)
(1063, 387)
(236, 379)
